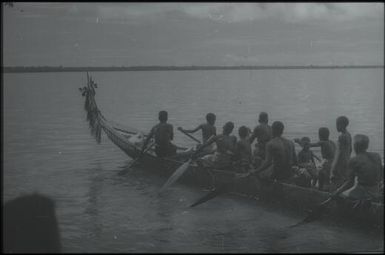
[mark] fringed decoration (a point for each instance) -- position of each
(93, 113)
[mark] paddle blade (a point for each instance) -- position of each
(176, 175)
(212, 194)
(314, 214)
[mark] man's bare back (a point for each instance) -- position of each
(263, 133)
(367, 167)
(207, 131)
(338, 172)
(365, 173)
(280, 155)
(208, 128)
(281, 151)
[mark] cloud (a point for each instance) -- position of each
(193, 33)
(290, 12)
(219, 12)
(240, 12)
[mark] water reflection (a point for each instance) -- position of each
(96, 179)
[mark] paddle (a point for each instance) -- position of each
(212, 194)
(315, 213)
(225, 187)
(192, 137)
(179, 172)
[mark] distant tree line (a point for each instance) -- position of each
(23, 69)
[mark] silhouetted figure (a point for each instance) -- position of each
(243, 150)
(365, 173)
(338, 172)
(30, 225)
(226, 144)
(263, 134)
(280, 156)
(208, 130)
(328, 149)
(307, 173)
(163, 133)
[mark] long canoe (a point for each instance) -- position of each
(288, 195)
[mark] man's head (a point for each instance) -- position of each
(210, 117)
(263, 118)
(323, 134)
(341, 123)
(277, 128)
(361, 143)
(163, 116)
(228, 128)
(305, 141)
(243, 132)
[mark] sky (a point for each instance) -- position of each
(131, 34)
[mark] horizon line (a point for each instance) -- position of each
(10, 69)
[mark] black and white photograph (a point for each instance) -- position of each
(193, 127)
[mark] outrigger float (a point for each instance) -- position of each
(290, 196)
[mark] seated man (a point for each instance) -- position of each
(243, 154)
(280, 156)
(225, 142)
(208, 130)
(328, 149)
(306, 175)
(365, 173)
(163, 134)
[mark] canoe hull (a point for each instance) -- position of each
(288, 195)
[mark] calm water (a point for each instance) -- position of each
(48, 149)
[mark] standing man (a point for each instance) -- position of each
(263, 134)
(280, 156)
(338, 172)
(243, 150)
(164, 134)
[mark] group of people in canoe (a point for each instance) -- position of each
(274, 156)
